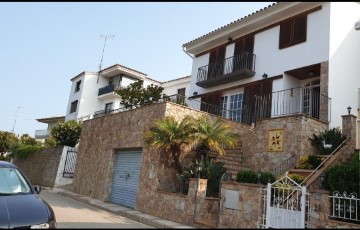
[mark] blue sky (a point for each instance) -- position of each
(44, 45)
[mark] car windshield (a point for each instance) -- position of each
(12, 182)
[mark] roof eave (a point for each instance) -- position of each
(247, 23)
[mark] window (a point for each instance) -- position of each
(77, 87)
(181, 92)
(108, 107)
(73, 106)
(232, 108)
(293, 31)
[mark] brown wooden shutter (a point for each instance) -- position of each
(300, 29)
(285, 34)
(249, 44)
(211, 103)
(239, 47)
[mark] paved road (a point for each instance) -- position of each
(74, 214)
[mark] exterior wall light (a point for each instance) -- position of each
(349, 109)
(264, 75)
(195, 93)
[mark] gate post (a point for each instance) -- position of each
(303, 206)
(268, 203)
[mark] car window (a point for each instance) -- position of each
(12, 182)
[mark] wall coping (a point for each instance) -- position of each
(296, 115)
(172, 193)
(241, 183)
(319, 191)
(351, 115)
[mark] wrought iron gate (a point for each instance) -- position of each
(286, 204)
(70, 163)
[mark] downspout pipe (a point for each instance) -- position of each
(187, 53)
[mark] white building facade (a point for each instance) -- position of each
(290, 57)
(93, 93)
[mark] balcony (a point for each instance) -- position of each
(231, 69)
(108, 91)
(42, 134)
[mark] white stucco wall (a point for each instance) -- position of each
(344, 70)
(274, 61)
(171, 87)
(74, 96)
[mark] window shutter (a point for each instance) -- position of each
(213, 56)
(249, 44)
(239, 47)
(285, 34)
(300, 29)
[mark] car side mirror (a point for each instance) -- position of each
(37, 189)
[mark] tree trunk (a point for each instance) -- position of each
(177, 163)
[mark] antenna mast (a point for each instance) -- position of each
(15, 118)
(102, 55)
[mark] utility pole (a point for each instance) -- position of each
(102, 55)
(15, 118)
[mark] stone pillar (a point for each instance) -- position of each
(324, 88)
(349, 128)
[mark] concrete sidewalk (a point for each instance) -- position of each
(141, 217)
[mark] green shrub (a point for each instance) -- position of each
(345, 177)
(23, 151)
(332, 136)
(267, 177)
(309, 162)
(297, 178)
(247, 176)
(210, 170)
(66, 133)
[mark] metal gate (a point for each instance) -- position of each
(125, 180)
(70, 163)
(286, 204)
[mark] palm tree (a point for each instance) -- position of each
(214, 136)
(172, 136)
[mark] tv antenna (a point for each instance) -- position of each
(102, 55)
(15, 118)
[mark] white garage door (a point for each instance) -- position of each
(126, 176)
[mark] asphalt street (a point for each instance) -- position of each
(71, 213)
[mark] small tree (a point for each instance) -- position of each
(172, 136)
(27, 140)
(214, 135)
(7, 141)
(66, 133)
(135, 95)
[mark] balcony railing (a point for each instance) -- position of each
(293, 101)
(108, 89)
(286, 102)
(43, 133)
(230, 69)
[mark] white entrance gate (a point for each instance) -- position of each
(287, 204)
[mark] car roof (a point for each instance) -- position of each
(7, 164)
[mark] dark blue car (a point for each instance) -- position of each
(20, 206)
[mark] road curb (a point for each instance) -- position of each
(132, 214)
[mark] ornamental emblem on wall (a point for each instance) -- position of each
(276, 140)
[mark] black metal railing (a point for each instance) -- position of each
(70, 163)
(108, 89)
(293, 101)
(176, 186)
(243, 61)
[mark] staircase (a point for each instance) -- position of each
(340, 155)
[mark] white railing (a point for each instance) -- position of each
(345, 207)
(41, 133)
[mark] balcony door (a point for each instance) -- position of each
(243, 54)
(231, 106)
(311, 99)
(216, 63)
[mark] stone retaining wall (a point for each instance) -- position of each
(41, 167)
(320, 212)
(247, 214)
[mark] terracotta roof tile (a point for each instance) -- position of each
(229, 24)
